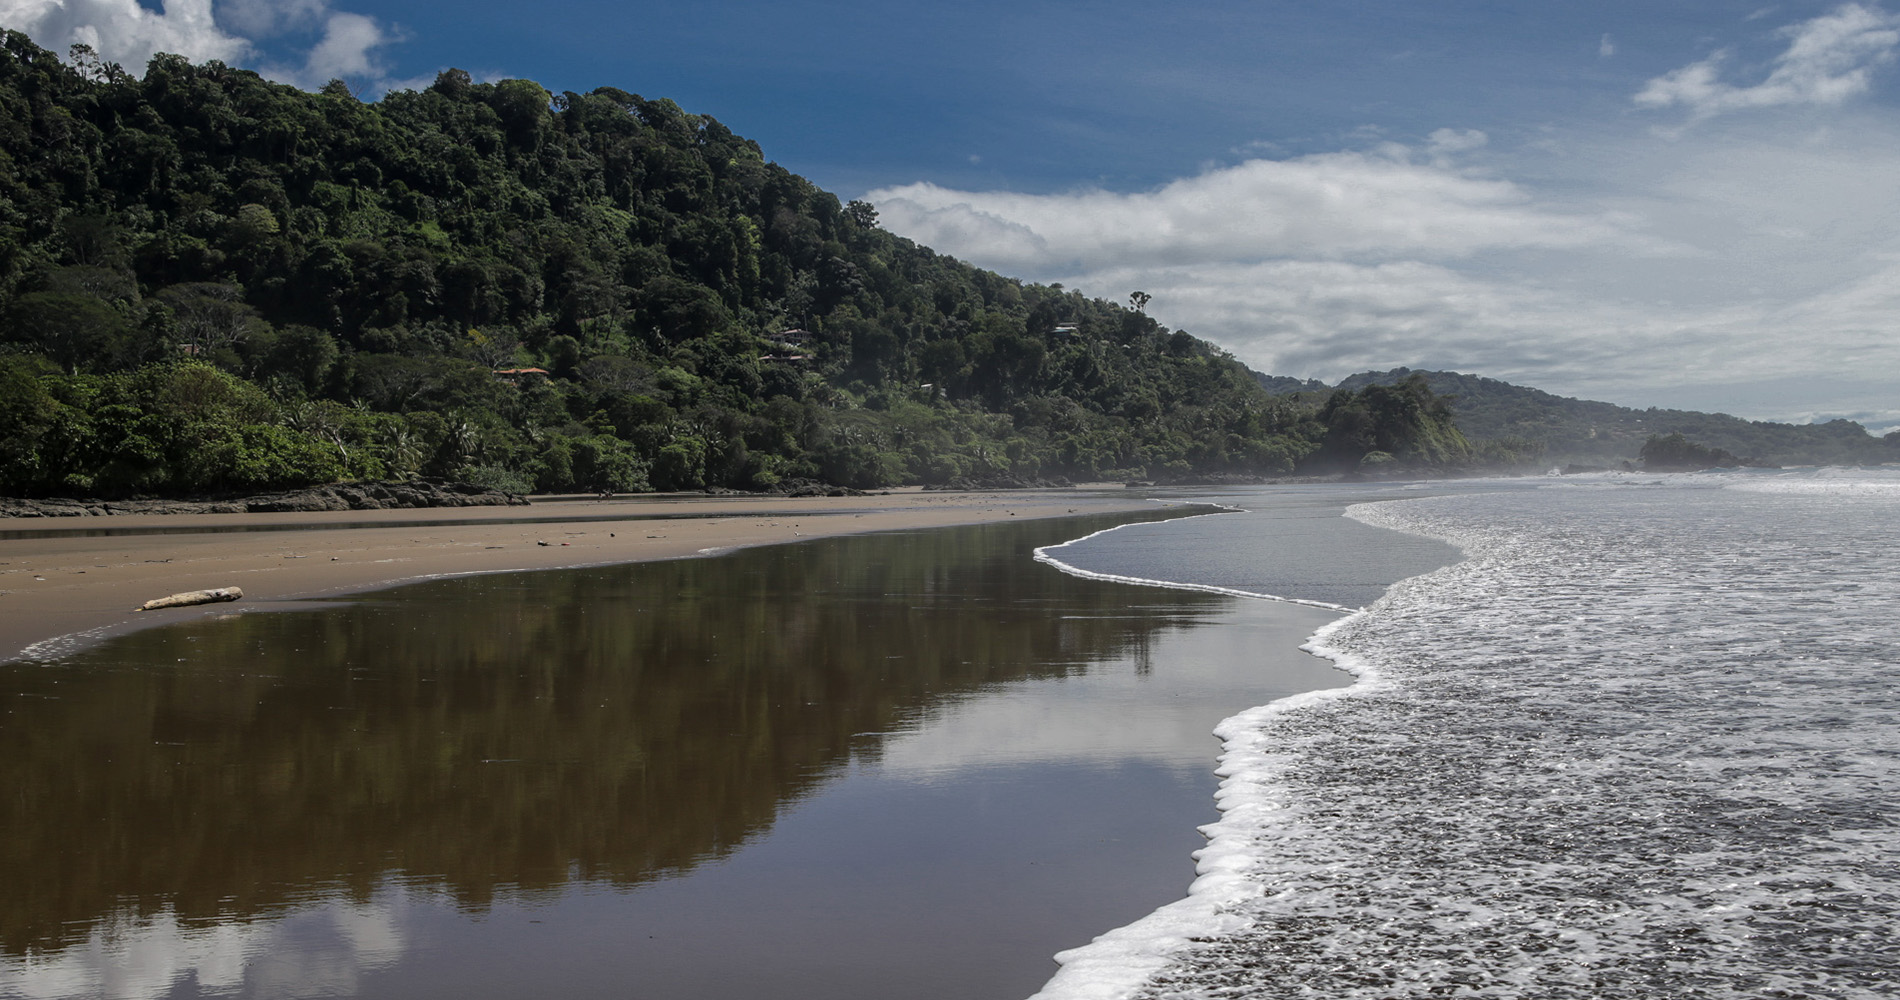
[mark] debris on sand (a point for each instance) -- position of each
(191, 597)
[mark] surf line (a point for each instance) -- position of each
(1046, 554)
(1117, 962)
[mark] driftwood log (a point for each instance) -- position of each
(191, 597)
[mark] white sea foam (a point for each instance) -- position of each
(1883, 483)
(1641, 743)
(1114, 963)
(58, 646)
(1050, 554)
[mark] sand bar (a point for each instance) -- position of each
(67, 581)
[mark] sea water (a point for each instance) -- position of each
(1644, 741)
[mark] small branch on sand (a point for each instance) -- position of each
(191, 597)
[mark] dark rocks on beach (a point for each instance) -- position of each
(810, 488)
(1002, 481)
(384, 495)
(1211, 479)
(792, 487)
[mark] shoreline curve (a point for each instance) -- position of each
(61, 590)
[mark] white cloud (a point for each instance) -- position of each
(1347, 205)
(1828, 60)
(1606, 47)
(1456, 140)
(340, 44)
(1332, 318)
(346, 52)
(1327, 319)
(1633, 268)
(121, 31)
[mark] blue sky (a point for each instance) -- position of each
(1660, 203)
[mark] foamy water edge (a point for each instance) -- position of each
(1118, 963)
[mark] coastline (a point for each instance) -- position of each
(1120, 961)
(1365, 834)
(1042, 752)
(70, 581)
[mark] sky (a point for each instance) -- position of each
(1654, 203)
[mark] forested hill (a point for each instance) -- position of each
(210, 282)
(1583, 431)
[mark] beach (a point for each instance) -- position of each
(77, 579)
(727, 776)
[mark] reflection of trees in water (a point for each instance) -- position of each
(509, 733)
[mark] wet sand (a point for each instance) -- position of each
(74, 580)
(907, 763)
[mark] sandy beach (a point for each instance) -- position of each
(67, 581)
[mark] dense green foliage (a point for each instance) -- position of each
(1502, 419)
(209, 281)
(1403, 425)
(1675, 453)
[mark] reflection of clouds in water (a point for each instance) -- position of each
(1110, 714)
(1072, 719)
(316, 950)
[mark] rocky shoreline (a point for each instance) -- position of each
(384, 495)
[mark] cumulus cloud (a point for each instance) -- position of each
(347, 51)
(1828, 60)
(346, 45)
(321, 43)
(1633, 268)
(1319, 265)
(121, 31)
(1331, 318)
(1327, 319)
(1346, 205)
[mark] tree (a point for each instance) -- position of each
(300, 353)
(210, 315)
(93, 240)
(75, 331)
(1673, 452)
(253, 223)
(27, 413)
(1405, 423)
(614, 375)
(523, 108)
(862, 213)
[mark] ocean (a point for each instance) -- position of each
(1608, 736)
(1643, 741)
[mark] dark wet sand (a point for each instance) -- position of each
(56, 584)
(907, 764)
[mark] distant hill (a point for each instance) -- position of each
(1588, 432)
